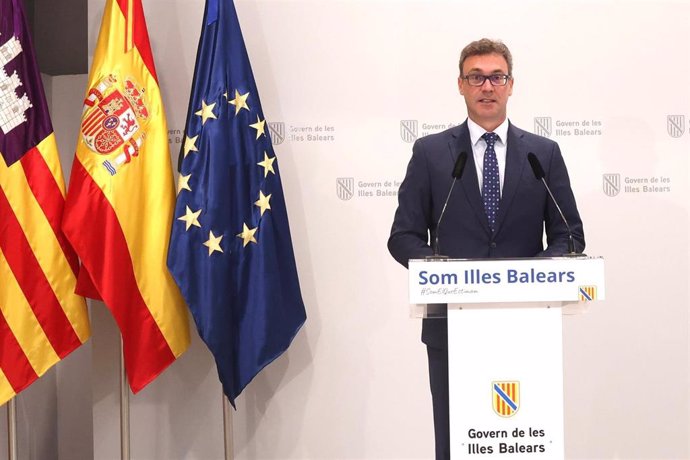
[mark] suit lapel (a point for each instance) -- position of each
(461, 142)
(516, 158)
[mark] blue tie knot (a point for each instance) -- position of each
(490, 138)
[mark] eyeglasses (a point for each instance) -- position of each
(496, 79)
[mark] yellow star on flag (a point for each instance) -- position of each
(263, 202)
(240, 101)
(259, 126)
(213, 243)
(190, 218)
(247, 235)
(267, 164)
(206, 111)
(183, 183)
(190, 145)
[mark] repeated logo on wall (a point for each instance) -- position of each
(613, 184)
(547, 127)
(675, 125)
(347, 188)
(542, 126)
(319, 132)
(408, 130)
(411, 130)
(277, 132)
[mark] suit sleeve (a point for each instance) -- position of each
(556, 230)
(409, 238)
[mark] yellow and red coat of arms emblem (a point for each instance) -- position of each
(113, 119)
(505, 398)
(587, 293)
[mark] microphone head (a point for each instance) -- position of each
(459, 165)
(536, 166)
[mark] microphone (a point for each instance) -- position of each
(458, 169)
(539, 174)
(459, 166)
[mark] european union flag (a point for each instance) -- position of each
(230, 248)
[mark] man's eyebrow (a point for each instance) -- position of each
(475, 69)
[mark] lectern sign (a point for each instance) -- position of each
(506, 280)
(505, 348)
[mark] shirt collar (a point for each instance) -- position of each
(476, 131)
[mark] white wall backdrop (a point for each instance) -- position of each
(602, 78)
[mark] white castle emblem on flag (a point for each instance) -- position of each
(12, 107)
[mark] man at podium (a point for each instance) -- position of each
(497, 208)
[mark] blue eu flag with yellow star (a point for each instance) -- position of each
(230, 247)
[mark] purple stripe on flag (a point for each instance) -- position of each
(21, 127)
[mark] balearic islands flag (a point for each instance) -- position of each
(231, 251)
(41, 319)
(121, 197)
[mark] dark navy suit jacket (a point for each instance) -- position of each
(525, 210)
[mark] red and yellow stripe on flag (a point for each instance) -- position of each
(41, 319)
(121, 197)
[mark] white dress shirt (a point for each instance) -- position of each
(479, 147)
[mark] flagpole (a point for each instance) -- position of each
(124, 408)
(12, 429)
(227, 428)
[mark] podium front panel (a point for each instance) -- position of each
(506, 383)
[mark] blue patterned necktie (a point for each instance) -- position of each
(491, 189)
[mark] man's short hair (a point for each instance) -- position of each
(486, 46)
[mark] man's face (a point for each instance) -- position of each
(486, 104)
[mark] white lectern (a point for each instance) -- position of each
(505, 347)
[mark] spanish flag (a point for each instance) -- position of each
(41, 319)
(121, 197)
